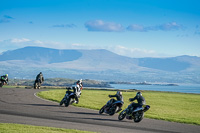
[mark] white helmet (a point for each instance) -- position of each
(119, 93)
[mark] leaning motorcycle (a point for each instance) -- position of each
(69, 98)
(37, 84)
(111, 109)
(136, 114)
(2, 83)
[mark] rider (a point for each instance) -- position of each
(140, 99)
(79, 84)
(119, 97)
(4, 78)
(77, 89)
(39, 78)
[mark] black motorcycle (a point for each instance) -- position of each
(136, 114)
(37, 84)
(111, 107)
(2, 83)
(69, 98)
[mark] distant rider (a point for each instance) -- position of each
(140, 99)
(4, 78)
(77, 89)
(39, 78)
(80, 84)
(119, 97)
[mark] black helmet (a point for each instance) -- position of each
(139, 93)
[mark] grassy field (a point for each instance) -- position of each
(176, 107)
(19, 128)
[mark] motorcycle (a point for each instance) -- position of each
(2, 83)
(136, 114)
(37, 85)
(69, 98)
(111, 109)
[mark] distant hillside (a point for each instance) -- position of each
(59, 82)
(40, 54)
(165, 64)
(98, 64)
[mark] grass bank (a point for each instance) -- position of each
(176, 107)
(19, 128)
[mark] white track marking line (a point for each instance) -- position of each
(35, 94)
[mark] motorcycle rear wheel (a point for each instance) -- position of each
(67, 102)
(113, 110)
(139, 117)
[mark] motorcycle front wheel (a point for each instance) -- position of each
(101, 110)
(122, 115)
(61, 102)
(1, 84)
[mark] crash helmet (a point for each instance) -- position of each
(139, 93)
(119, 93)
(79, 81)
(40, 72)
(6, 75)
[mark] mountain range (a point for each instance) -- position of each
(98, 64)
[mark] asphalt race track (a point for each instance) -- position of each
(22, 106)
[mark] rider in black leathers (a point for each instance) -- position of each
(39, 78)
(119, 97)
(140, 99)
(4, 78)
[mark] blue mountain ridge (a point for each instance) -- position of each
(99, 58)
(41, 54)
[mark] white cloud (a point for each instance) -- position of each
(134, 52)
(16, 40)
(162, 27)
(136, 27)
(99, 25)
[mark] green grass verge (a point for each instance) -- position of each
(20, 128)
(176, 107)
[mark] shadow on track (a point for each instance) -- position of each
(46, 105)
(84, 113)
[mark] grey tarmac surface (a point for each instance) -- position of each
(23, 107)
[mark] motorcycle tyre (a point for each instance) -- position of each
(67, 102)
(61, 102)
(36, 86)
(140, 117)
(122, 115)
(113, 111)
(1, 84)
(101, 110)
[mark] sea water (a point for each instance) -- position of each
(183, 88)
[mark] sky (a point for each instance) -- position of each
(133, 28)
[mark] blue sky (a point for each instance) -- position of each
(134, 28)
